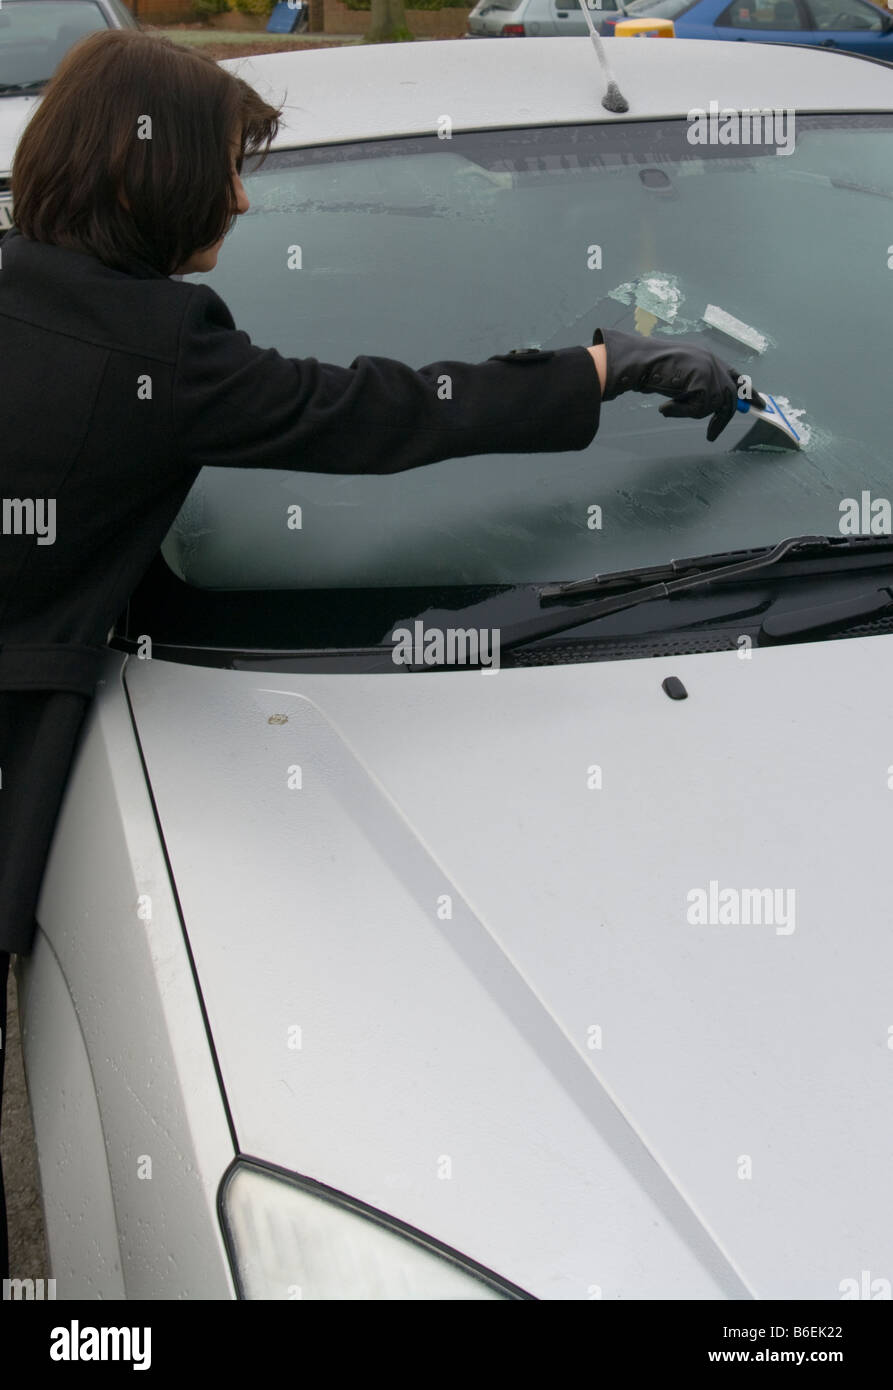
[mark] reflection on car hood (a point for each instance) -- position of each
(14, 112)
(510, 1033)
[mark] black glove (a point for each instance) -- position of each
(699, 383)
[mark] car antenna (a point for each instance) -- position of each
(613, 99)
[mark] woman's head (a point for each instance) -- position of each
(135, 151)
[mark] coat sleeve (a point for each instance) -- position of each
(236, 405)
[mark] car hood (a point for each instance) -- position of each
(476, 900)
(14, 113)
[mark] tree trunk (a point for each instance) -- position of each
(388, 21)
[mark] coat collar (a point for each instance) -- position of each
(15, 240)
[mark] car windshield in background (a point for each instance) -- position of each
(424, 249)
(35, 35)
(658, 9)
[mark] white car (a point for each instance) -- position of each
(35, 35)
(409, 931)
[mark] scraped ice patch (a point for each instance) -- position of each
(682, 327)
(795, 414)
(659, 294)
(625, 293)
(734, 328)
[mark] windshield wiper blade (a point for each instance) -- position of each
(34, 86)
(562, 620)
(645, 574)
(672, 569)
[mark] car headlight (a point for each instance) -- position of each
(292, 1238)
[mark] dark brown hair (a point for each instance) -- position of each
(90, 140)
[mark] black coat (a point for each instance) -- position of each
(81, 348)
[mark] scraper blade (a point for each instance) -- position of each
(771, 428)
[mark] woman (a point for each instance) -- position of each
(119, 384)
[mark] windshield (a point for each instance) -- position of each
(35, 35)
(423, 250)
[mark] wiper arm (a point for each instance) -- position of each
(674, 582)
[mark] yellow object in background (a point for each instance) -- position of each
(645, 29)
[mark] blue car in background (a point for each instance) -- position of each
(853, 26)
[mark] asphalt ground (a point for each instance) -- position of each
(27, 1247)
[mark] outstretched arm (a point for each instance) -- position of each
(236, 405)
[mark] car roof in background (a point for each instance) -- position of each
(363, 92)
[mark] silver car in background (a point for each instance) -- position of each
(541, 19)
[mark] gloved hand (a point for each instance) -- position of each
(699, 383)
